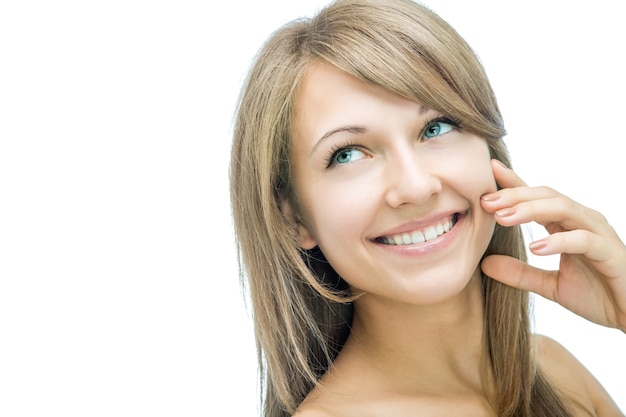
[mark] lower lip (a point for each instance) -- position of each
(432, 246)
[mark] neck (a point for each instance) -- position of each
(434, 345)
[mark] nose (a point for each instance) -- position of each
(411, 180)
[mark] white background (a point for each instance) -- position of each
(119, 292)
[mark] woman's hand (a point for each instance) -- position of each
(591, 280)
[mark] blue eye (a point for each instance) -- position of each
(346, 155)
(438, 128)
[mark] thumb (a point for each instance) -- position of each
(518, 274)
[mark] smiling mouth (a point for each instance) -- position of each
(421, 235)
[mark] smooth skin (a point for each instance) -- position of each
(365, 169)
(351, 396)
(416, 343)
(591, 279)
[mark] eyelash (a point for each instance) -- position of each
(334, 151)
(441, 119)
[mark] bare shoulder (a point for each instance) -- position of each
(312, 409)
(308, 412)
(570, 377)
(316, 404)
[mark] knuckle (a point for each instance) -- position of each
(545, 189)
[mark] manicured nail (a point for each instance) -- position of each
(506, 212)
(538, 245)
(491, 197)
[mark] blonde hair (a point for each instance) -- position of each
(301, 308)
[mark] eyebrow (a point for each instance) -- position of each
(357, 129)
(351, 129)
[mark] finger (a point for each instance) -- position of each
(513, 189)
(557, 210)
(505, 177)
(507, 197)
(607, 256)
(518, 274)
(575, 242)
(517, 203)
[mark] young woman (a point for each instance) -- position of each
(378, 219)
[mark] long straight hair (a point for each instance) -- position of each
(301, 308)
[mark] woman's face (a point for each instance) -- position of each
(389, 190)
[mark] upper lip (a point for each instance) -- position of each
(419, 224)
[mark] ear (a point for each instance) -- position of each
(305, 239)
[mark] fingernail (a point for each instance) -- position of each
(506, 212)
(491, 197)
(538, 245)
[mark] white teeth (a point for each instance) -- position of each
(430, 233)
(419, 236)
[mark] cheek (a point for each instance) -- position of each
(472, 165)
(330, 210)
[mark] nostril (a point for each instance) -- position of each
(413, 190)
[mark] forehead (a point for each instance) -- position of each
(323, 82)
(329, 97)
